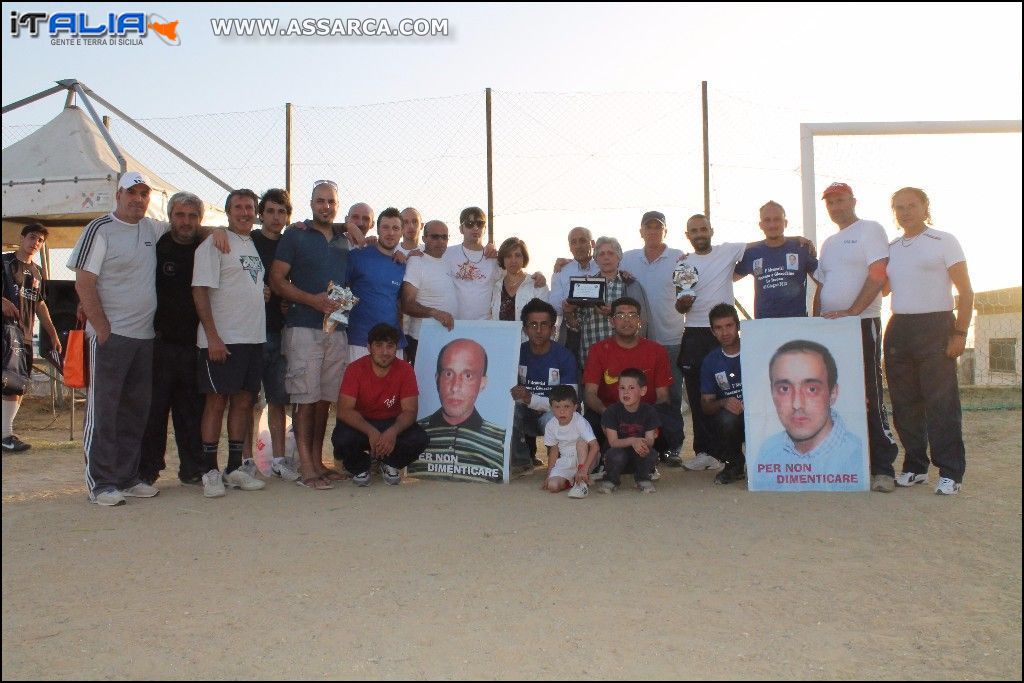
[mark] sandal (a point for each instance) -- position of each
(333, 475)
(316, 483)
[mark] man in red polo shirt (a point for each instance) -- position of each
(377, 407)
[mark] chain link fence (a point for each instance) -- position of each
(601, 160)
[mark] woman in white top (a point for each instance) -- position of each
(516, 288)
(923, 340)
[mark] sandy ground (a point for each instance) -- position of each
(435, 580)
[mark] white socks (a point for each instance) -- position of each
(10, 410)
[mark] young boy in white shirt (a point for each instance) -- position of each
(572, 446)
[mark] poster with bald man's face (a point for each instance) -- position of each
(465, 406)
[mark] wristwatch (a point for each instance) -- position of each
(958, 333)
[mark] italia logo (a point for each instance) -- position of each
(84, 29)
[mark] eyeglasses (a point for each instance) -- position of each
(475, 223)
(438, 237)
(538, 325)
(331, 183)
(632, 315)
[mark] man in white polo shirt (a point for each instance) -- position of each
(851, 270)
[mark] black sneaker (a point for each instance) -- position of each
(13, 444)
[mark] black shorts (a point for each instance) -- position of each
(242, 371)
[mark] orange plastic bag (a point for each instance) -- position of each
(76, 373)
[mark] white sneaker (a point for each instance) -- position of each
(243, 479)
(579, 490)
(909, 479)
(703, 461)
(213, 484)
(109, 498)
(607, 487)
(646, 486)
(140, 490)
(389, 474)
(284, 468)
(362, 479)
(947, 487)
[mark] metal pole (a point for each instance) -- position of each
(38, 96)
(142, 129)
(707, 155)
(288, 147)
(490, 174)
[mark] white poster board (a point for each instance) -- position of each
(806, 422)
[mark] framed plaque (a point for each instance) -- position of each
(587, 291)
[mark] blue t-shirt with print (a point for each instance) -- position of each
(720, 375)
(375, 279)
(314, 262)
(539, 374)
(780, 278)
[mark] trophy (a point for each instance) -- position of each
(345, 297)
(685, 278)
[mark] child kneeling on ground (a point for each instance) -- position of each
(631, 427)
(572, 446)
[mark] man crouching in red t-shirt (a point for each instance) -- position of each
(377, 407)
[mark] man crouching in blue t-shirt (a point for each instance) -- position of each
(543, 365)
(721, 392)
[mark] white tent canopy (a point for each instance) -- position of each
(65, 174)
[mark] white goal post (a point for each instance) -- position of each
(808, 131)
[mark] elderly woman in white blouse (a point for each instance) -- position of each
(512, 291)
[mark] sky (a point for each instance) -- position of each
(584, 95)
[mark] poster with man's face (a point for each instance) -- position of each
(465, 406)
(803, 397)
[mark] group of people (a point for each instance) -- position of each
(602, 382)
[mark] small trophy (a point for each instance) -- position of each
(685, 278)
(345, 297)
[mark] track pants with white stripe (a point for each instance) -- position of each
(120, 386)
(881, 442)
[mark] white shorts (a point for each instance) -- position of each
(564, 468)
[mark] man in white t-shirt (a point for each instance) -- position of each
(412, 226)
(473, 272)
(428, 290)
(851, 270)
(715, 266)
(228, 291)
(653, 266)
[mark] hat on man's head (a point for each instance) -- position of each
(131, 179)
(653, 216)
(837, 188)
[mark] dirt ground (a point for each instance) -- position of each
(438, 580)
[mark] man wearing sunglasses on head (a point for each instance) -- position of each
(306, 261)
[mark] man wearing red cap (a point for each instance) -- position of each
(851, 273)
